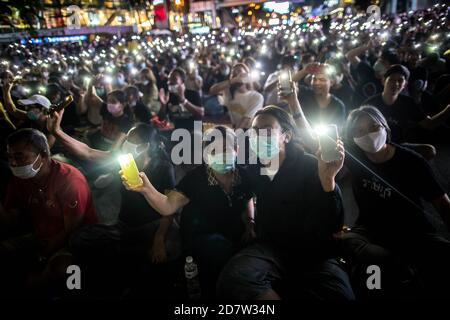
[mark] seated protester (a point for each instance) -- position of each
(56, 94)
(299, 208)
(402, 114)
(368, 77)
(139, 111)
(147, 85)
(271, 85)
(194, 82)
(217, 206)
(48, 200)
(389, 182)
(182, 107)
(239, 97)
(319, 105)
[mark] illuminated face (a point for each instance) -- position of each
(395, 84)
(321, 83)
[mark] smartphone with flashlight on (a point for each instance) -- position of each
(285, 79)
(328, 137)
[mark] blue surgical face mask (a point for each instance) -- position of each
(222, 162)
(265, 147)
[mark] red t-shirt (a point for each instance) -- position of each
(66, 194)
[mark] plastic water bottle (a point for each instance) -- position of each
(192, 280)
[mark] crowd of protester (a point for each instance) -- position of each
(254, 236)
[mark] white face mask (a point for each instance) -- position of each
(26, 172)
(128, 147)
(372, 142)
(145, 82)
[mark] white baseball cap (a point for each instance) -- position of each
(36, 99)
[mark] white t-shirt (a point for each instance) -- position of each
(244, 105)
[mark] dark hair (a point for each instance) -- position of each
(180, 72)
(356, 114)
(119, 95)
(286, 122)
(31, 137)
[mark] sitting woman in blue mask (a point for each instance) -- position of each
(217, 206)
(393, 231)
